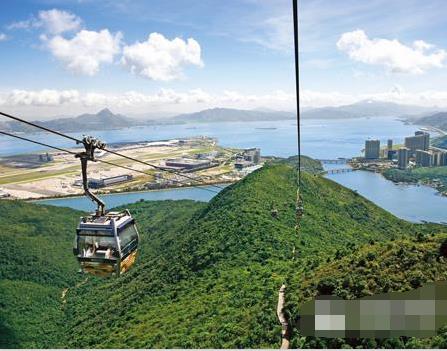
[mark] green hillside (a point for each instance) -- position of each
(208, 274)
(399, 265)
(429, 175)
(35, 267)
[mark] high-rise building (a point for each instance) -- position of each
(424, 158)
(402, 157)
(372, 149)
(253, 155)
(420, 141)
(390, 145)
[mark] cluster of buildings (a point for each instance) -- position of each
(46, 157)
(416, 151)
(189, 164)
(248, 158)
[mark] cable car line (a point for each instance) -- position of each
(37, 142)
(106, 242)
(41, 127)
(154, 166)
(297, 85)
(299, 208)
(78, 141)
(96, 160)
(142, 172)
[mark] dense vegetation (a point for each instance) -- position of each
(380, 267)
(307, 164)
(35, 267)
(436, 176)
(208, 274)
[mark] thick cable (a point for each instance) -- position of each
(98, 160)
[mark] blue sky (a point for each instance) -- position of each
(141, 56)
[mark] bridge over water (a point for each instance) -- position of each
(339, 170)
(338, 161)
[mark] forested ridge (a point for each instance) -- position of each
(208, 274)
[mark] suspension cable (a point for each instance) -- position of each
(154, 166)
(297, 84)
(37, 142)
(98, 160)
(78, 141)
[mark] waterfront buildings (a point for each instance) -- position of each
(372, 149)
(403, 157)
(420, 141)
(424, 158)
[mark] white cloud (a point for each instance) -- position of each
(159, 58)
(52, 21)
(274, 33)
(86, 50)
(3, 37)
(57, 21)
(45, 97)
(391, 54)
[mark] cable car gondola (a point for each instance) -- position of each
(106, 243)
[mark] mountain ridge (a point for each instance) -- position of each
(107, 120)
(437, 120)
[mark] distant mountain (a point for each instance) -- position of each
(231, 115)
(437, 120)
(366, 108)
(103, 120)
(107, 120)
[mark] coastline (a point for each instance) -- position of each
(114, 192)
(440, 188)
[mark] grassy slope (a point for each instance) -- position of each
(211, 284)
(399, 265)
(208, 275)
(35, 265)
(214, 282)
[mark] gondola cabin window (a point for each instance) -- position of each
(128, 238)
(97, 246)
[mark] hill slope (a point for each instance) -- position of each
(214, 283)
(366, 108)
(35, 266)
(231, 115)
(208, 274)
(438, 120)
(103, 120)
(399, 265)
